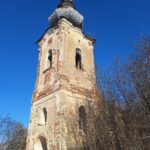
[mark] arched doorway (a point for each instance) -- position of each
(40, 144)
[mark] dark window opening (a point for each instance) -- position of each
(50, 58)
(40, 143)
(82, 119)
(43, 143)
(78, 59)
(45, 114)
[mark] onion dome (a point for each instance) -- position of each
(66, 10)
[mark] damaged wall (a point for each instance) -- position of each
(61, 88)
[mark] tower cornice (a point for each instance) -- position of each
(66, 24)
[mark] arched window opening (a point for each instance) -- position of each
(82, 119)
(45, 114)
(50, 58)
(78, 59)
(43, 117)
(40, 144)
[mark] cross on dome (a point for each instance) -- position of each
(66, 1)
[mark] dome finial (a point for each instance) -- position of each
(66, 3)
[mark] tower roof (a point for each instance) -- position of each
(66, 10)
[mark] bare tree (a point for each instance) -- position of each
(126, 93)
(12, 135)
(140, 72)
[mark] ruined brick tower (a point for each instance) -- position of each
(65, 83)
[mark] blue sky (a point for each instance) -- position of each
(116, 24)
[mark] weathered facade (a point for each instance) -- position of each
(65, 84)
